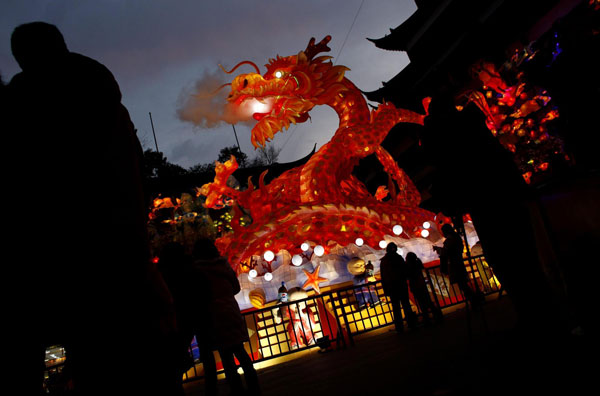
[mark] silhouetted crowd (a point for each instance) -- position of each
(398, 276)
(203, 286)
(78, 265)
(85, 278)
(81, 273)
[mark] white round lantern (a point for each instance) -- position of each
(305, 246)
(319, 250)
(297, 260)
(252, 273)
(397, 229)
(383, 244)
(268, 276)
(424, 233)
(269, 255)
(359, 242)
(426, 225)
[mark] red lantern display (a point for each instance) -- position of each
(320, 201)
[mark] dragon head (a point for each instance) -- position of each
(289, 89)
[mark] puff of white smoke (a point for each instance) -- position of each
(205, 105)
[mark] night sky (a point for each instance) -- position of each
(158, 49)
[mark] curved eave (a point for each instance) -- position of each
(389, 43)
(400, 36)
(275, 169)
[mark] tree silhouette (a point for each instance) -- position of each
(227, 152)
(157, 166)
(201, 169)
(266, 155)
(162, 177)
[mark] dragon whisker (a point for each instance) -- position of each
(213, 93)
(240, 64)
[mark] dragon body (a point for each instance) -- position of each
(320, 202)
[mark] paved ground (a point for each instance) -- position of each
(444, 359)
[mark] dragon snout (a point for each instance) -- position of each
(244, 85)
(243, 80)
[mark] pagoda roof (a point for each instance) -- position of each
(387, 93)
(443, 38)
(402, 37)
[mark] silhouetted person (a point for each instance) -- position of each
(190, 294)
(460, 147)
(83, 275)
(229, 327)
(452, 264)
(394, 276)
(418, 287)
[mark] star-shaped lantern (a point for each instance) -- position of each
(313, 279)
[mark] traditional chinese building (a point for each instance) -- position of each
(470, 156)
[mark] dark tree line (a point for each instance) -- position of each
(168, 179)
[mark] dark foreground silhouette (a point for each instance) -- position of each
(80, 269)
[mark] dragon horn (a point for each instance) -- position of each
(240, 64)
(312, 49)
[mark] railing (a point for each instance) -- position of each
(288, 328)
(335, 317)
(331, 318)
(445, 294)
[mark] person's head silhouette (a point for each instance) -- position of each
(37, 46)
(447, 230)
(391, 247)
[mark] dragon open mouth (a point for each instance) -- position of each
(271, 102)
(274, 107)
(259, 116)
(261, 107)
(274, 114)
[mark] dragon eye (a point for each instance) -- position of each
(278, 74)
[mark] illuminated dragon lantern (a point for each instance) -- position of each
(321, 201)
